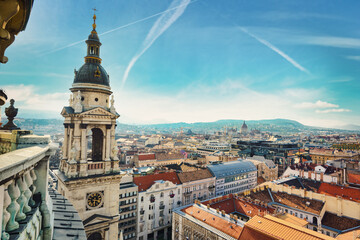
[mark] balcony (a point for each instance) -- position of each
(162, 206)
(187, 193)
(172, 195)
(25, 209)
(152, 199)
(142, 212)
(211, 188)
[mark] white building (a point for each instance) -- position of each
(158, 195)
(233, 177)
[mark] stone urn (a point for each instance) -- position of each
(11, 113)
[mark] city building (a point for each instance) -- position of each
(90, 180)
(158, 159)
(322, 155)
(244, 128)
(236, 218)
(265, 168)
(198, 184)
(128, 196)
(158, 195)
(270, 227)
(315, 172)
(233, 177)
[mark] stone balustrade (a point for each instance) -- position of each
(23, 194)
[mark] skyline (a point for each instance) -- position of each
(196, 61)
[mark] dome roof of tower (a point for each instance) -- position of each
(93, 36)
(92, 73)
(244, 126)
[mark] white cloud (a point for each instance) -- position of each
(333, 110)
(27, 97)
(198, 102)
(356, 58)
(317, 104)
(329, 41)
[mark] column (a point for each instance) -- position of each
(65, 143)
(77, 136)
(83, 143)
(69, 141)
(108, 142)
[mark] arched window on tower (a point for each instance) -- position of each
(95, 144)
(91, 50)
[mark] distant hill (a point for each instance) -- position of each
(277, 126)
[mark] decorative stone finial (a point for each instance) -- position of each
(11, 113)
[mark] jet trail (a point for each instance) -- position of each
(275, 49)
(160, 26)
(118, 28)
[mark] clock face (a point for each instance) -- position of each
(94, 199)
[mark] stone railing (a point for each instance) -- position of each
(23, 194)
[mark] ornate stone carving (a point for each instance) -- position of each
(21, 200)
(13, 208)
(73, 153)
(8, 9)
(6, 214)
(29, 192)
(112, 107)
(11, 113)
(78, 107)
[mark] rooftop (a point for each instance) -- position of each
(231, 168)
(214, 220)
(145, 182)
(270, 227)
(339, 223)
(194, 175)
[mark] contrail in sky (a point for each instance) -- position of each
(275, 49)
(123, 26)
(159, 27)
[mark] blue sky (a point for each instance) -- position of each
(201, 60)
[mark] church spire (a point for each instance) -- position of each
(94, 24)
(93, 45)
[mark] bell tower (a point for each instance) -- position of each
(89, 169)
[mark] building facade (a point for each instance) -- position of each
(233, 177)
(265, 168)
(199, 184)
(128, 196)
(158, 195)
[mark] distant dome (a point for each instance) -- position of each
(92, 73)
(244, 126)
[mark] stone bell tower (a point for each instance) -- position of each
(89, 170)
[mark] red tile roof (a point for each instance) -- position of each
(354, 178)
(214, 221)
(348, 193)
(231, 204)
(144, 157)
(145, 182)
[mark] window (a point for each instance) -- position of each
(161, 194)
(142, 199)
